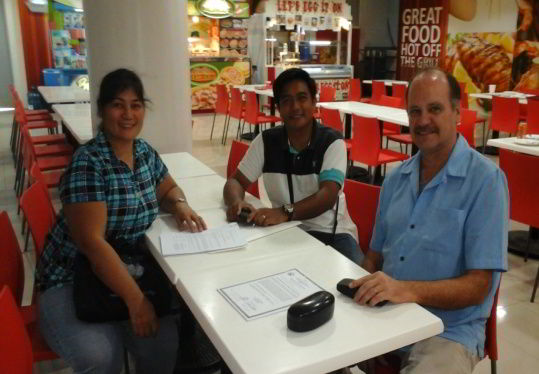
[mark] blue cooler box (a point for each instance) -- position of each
(53, 77)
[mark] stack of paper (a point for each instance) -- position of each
(224, 237)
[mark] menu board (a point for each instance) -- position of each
(233, 37)
(206, 75)
(340, 85)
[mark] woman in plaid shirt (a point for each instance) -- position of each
(112, 190)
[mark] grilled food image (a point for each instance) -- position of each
(529, 80)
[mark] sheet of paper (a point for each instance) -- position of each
(218, 238)
(268, 295)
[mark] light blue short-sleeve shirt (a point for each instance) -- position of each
(459, 222)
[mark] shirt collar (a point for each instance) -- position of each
(284, 139)
(105, 148)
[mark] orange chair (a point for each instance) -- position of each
(505, 115)
(12, 275)
(392, 131)
(362, 202)
(221, 105)
(366, 144)
(252, 115)
(399, 90)
(332, 118)
(354, 90)
(236, 111)
(522, 183)
(467, 125)
(378, 90)
(327, 94)
(237, 151)
(15, 347)
(533, 117)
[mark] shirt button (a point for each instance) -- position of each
(402, 258)
(412, 226)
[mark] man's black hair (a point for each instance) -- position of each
(290, 75)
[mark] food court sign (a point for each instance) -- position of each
(422, 35)
(311, 7)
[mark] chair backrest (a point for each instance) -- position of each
(362, 202)
(36, 206)
(378, 89)
(467, 125)
(462, 87)
(533, 117)
(251, 107)
(37, 175)
(505, 114)
(237, 151)
(327, 93)
(221, 105)
(15, 347)
(354, 90)
(365, 140)
(236, 103)
(399, 90)
(522, 181)
(463, 100)
(11, 263)
(331, 118)
(393, 102)
(491, 341)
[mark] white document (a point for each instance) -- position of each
(268, 295)
(219, 238)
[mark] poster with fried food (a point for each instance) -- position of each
(205, 76)
(525, 75)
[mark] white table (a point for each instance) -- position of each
(183, 165)
(388, 82)
(509, 143)
(256, 88)
(382, 113)
(63, 94)
(265, 345)
(522, 97)
(77, 119)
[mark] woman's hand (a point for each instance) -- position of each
(143, 318)
(186, 218)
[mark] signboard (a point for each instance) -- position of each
(308, 8)
(422, 35)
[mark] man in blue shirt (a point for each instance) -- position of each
(440, 238)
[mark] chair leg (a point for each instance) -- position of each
(126, 362)
(485, 139)
(527, 253)
(493, 366)
(535, 286)
(213, 124)
(225, 130)
(26, 240)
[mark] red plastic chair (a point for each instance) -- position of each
(491, 339)
(533, 117)
(467, 125)
(362, 202)
(332, 118)
(505, 115)
(366, 144)
(327, 94)
(399, 90)
(354, 90)
(237, 151)
(15, 347)
(392, 131)
(236, 111)
(252, 115)
(378, 90)
(522, 180)
(462, 88)
(221, 105)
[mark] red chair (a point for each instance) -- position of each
(362, 202)
(522, 180)
(252, 115)
(366, 144)
(236, 111)
(354, 90)
(378, 90)
(15, 347)
(392, 131)
(533, 117)
(221, 105)
(399, 90)
(491, 340)
(327, 94)
(237, 151)
(462, 88)
(467, 125)
(505, 115)
(332, 118)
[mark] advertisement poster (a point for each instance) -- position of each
(206, 75)
(422, 35)
(340, 85)
(525, 73)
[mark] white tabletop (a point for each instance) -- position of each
(77, 119)
(63, 94)
(388, 82)
(265, 345)
(509, 143)
(183, 165)
(256, 88)
(522, 97)
(383, 113)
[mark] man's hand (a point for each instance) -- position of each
(186, 218)
(378, 287)
(234, 210)
(270, 216)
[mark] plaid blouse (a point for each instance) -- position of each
(95, 174)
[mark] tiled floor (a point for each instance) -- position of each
(518, 319)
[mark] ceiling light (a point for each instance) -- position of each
(320, 42)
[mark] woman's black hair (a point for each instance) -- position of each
(290, 75)
(116, 82)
